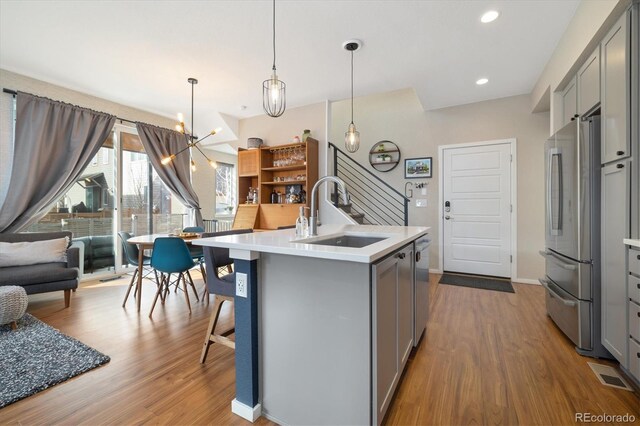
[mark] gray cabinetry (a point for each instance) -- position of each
(405, 304)
(615, 227)
(392, 325)
(614, 93)
(569, 102)
(385, 343)
(633, 286)
(589, 83)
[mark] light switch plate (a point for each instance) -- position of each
(421, 202)
(241, 284)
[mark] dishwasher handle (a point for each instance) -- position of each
(552, 293)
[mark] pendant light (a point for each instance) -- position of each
(352, 136)
(191, 140)
(274, 99)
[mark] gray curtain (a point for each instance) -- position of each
(159, 143)
(54, 143)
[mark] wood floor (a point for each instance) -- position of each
(488, 358)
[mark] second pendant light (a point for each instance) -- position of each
(274, 100)
(352, 136)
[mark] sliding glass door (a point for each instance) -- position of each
(146, 204)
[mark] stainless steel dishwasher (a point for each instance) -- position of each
(421, 288)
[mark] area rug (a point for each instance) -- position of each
(36, 356)
(477, 282)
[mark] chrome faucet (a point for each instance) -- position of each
(313, 219)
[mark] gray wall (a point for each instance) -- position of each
(398, 117)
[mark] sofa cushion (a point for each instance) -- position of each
(37, 274)
(9, 237)
(33, 252)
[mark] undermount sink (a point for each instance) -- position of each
(353, 241)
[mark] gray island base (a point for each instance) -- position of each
(325, 331)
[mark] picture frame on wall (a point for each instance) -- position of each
(418, 168)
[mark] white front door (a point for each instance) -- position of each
(477, 209)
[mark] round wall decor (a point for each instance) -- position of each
(384, 156)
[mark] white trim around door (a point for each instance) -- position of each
(514, 198)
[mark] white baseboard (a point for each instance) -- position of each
(525, 281)
(435, 271)
(246, 412)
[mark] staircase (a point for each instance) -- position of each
(372, 201)
(347, 208)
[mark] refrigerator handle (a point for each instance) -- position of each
(557, 155)
(560, 263)
(552, 293)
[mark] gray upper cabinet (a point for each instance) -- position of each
(614, 94)
(569, 102)
(615, 227)
(589, 83)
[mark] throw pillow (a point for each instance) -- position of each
(32, 253)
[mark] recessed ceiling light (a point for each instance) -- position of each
(489, 16)
(482, 81)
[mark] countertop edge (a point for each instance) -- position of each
(307, 250)
(631, 242)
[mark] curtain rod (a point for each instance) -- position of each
(14, 93)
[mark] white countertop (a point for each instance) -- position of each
(284, 242)
(630, 242)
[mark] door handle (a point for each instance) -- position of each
(553, 294)
(401, 256)
(620, 153)
(557, 261)
(447, 217)
(418, 258)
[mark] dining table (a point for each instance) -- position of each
(145, 242)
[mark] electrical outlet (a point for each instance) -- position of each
(241, 284)
(421, 202)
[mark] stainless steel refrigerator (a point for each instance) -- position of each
(572, 230)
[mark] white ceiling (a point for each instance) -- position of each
(140, 53)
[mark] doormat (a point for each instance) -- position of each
(477, 282)
(35, 357)
(609, 376)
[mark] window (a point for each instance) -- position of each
(225, 189)
(105, 155)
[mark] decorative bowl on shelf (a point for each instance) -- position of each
(253, 143)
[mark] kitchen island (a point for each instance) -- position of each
(324, 325)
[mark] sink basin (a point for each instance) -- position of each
(353, 241)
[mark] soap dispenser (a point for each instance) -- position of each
(302, 225)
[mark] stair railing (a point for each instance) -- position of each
(379, 202)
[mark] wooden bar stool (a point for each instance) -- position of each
(223, 287)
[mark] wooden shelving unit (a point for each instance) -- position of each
(256, 169)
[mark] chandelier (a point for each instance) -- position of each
(191, 140)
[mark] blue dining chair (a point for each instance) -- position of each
(196, 252)
(222, 286)
(171, 256)
(131, 254)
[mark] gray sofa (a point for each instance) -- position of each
(98, 252)
(45, 277)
